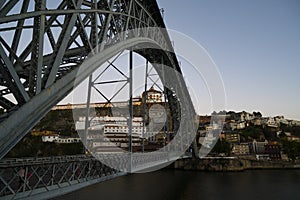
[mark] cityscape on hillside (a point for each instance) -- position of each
(149, 99)
(241, 134)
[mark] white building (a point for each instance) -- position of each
(112, 125)
(50, 138)
(108, 134)
(58, 139)
(244, 116)
(67, 140)
(295, 123)
(271, 122)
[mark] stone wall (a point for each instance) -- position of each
(230, 164)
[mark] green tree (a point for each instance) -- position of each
(222, 147)
(254, 132)
(291, 148)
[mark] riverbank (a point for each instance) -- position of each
(231, 164)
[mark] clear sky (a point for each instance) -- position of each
(255, 44)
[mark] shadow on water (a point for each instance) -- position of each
(184, 185)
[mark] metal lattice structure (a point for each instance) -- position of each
(36, 178)
(44, 43)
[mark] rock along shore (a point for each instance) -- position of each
(230, 164)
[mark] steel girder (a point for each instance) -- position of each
(43, 178)
(44, 43)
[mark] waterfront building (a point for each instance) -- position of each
(258, 147)
(273, 150)
(59, 139)
(284, 156)
(232, 137)
(262, 157)
(50, 138)
(67, 140)
(241, 149)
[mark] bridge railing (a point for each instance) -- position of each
(139, 161)
(45, 177)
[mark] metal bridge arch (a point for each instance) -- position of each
(37, 80)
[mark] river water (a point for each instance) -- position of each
(194, 185)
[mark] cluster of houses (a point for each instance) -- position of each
(235, 123)
(240, 120)
(110, 133)
(60, 139)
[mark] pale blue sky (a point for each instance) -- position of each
(255, 45)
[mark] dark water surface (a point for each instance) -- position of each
(194, 185)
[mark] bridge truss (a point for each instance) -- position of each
(50, 47)
(43, 178)
(44, 43)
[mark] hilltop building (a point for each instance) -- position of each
(153, 96)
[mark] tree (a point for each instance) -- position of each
(257, 114)
(270, 133)
(222, 147)
(254, 132)
(291, 148)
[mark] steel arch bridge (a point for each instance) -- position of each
(43, 45)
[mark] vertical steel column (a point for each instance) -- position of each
(166, 128)
(40, 48)
(130, 106)
(145, 106)
(87, 122)
(94, 41)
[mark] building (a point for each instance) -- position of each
(262, 157)
(241, 149)
(295, 123)
(257, 122)
(58, 139)
(241, 125)
(270, 121)
(110, 134)
(258, 147)
(136, 101)
(280, 120)
(50, 138)
(231, 125)
(153, 96)
(244, 116)
(35, 132)
(273, 150)
(156, 123)
(67, 140)
(232, 137)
